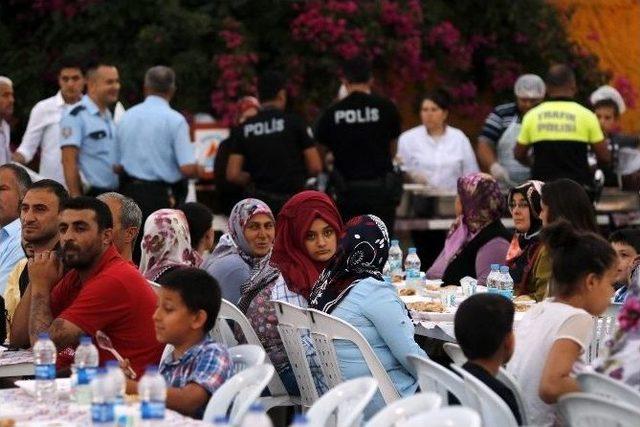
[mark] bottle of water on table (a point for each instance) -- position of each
(493, 279)
(44, 355)
(506, 282)
(395, 259)
(102, 398)
(85, 362)
(118, 380)
(412, 269)
(152, 390)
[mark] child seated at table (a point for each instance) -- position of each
(626, 243)
(484, 330)
(188, 305)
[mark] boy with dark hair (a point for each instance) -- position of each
(484, 329)
(188, 305)
(626, 243)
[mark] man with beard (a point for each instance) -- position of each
(39, 219)
(100, 290)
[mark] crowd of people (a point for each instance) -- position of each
(109, 244)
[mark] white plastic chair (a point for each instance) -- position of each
(603, 328)
(453, 416)
(512, 383)
(588, 410)
(602, 385)
(228, 311)
(455, 353)
(492, 408)
(238, 392)
(245, 356)
(437, 379)
(326, 328)
(348, 400)
(292, 320)
(405, 408)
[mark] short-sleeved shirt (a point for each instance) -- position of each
(153, 141)
(207, 364)
(560, 132)
(358, 130)
(11, 251)
(272, 143)
(94, 134)
(116, 300)
(498, 121)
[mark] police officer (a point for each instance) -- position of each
(154, 153)
(88, 135)
(361, 131)
(273, 150)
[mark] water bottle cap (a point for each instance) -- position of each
(394, 242)
(256, 407)
(504, 269)
(43, 336)
(412, 250)
(300, 419)
(495, 267)
(112, 364)
(151, 369)
(221, 419)
(85, 339)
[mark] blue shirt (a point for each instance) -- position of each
(94, 135)
(374, 308)
(10, 251)
(153, 141)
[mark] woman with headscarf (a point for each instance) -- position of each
(477, 238)
(166, 244)
(240, 260)
(352, 288)
(524, 205)
(306, 239)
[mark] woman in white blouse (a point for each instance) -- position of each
(435, 153)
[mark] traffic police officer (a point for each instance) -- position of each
(361, 131)
(88, 135)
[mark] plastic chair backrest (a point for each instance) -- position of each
(453, 416)
(587, 410)
(405, 408)
(348, 400)
(246, 355)
(492, 408)
(326, 328)
(435, 378)
(602, 385)
(228, 311)
(604, 327)
(238, 392)
(291, 320)
(512, 383)
(455, 353)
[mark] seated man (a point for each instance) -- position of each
(100, 290)
(189, 302)
(626, 243)
(484, 329)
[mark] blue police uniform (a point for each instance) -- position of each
(94, 134)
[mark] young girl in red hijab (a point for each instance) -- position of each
(307, 231)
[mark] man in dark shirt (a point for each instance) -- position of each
(273, 150)
(361, 132)
(483, 326)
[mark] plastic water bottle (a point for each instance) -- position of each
(85, 362)
(506, 282)
(256, 417)
(152, 390)
(300, 420)
(493, 278)
(395, 259)
(118, 380)
(44, 355)
(412, 269)
(102, 398)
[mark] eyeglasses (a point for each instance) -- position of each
(521, 205)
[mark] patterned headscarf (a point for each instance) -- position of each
(362, 252)
(290, 256)
(166, 244)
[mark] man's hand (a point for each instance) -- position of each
(45, 270)
(500, 173)
(418, 177)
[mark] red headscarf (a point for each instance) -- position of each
(289, 254)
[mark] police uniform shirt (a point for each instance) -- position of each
(272, 143)
(359, 130)
(559, 132)
(153, 141)
(94, 135)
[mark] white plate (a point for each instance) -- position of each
(2, 350)
(63, 386)
(433, 316)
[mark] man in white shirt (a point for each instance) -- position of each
(6, 110)
(43, 129)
